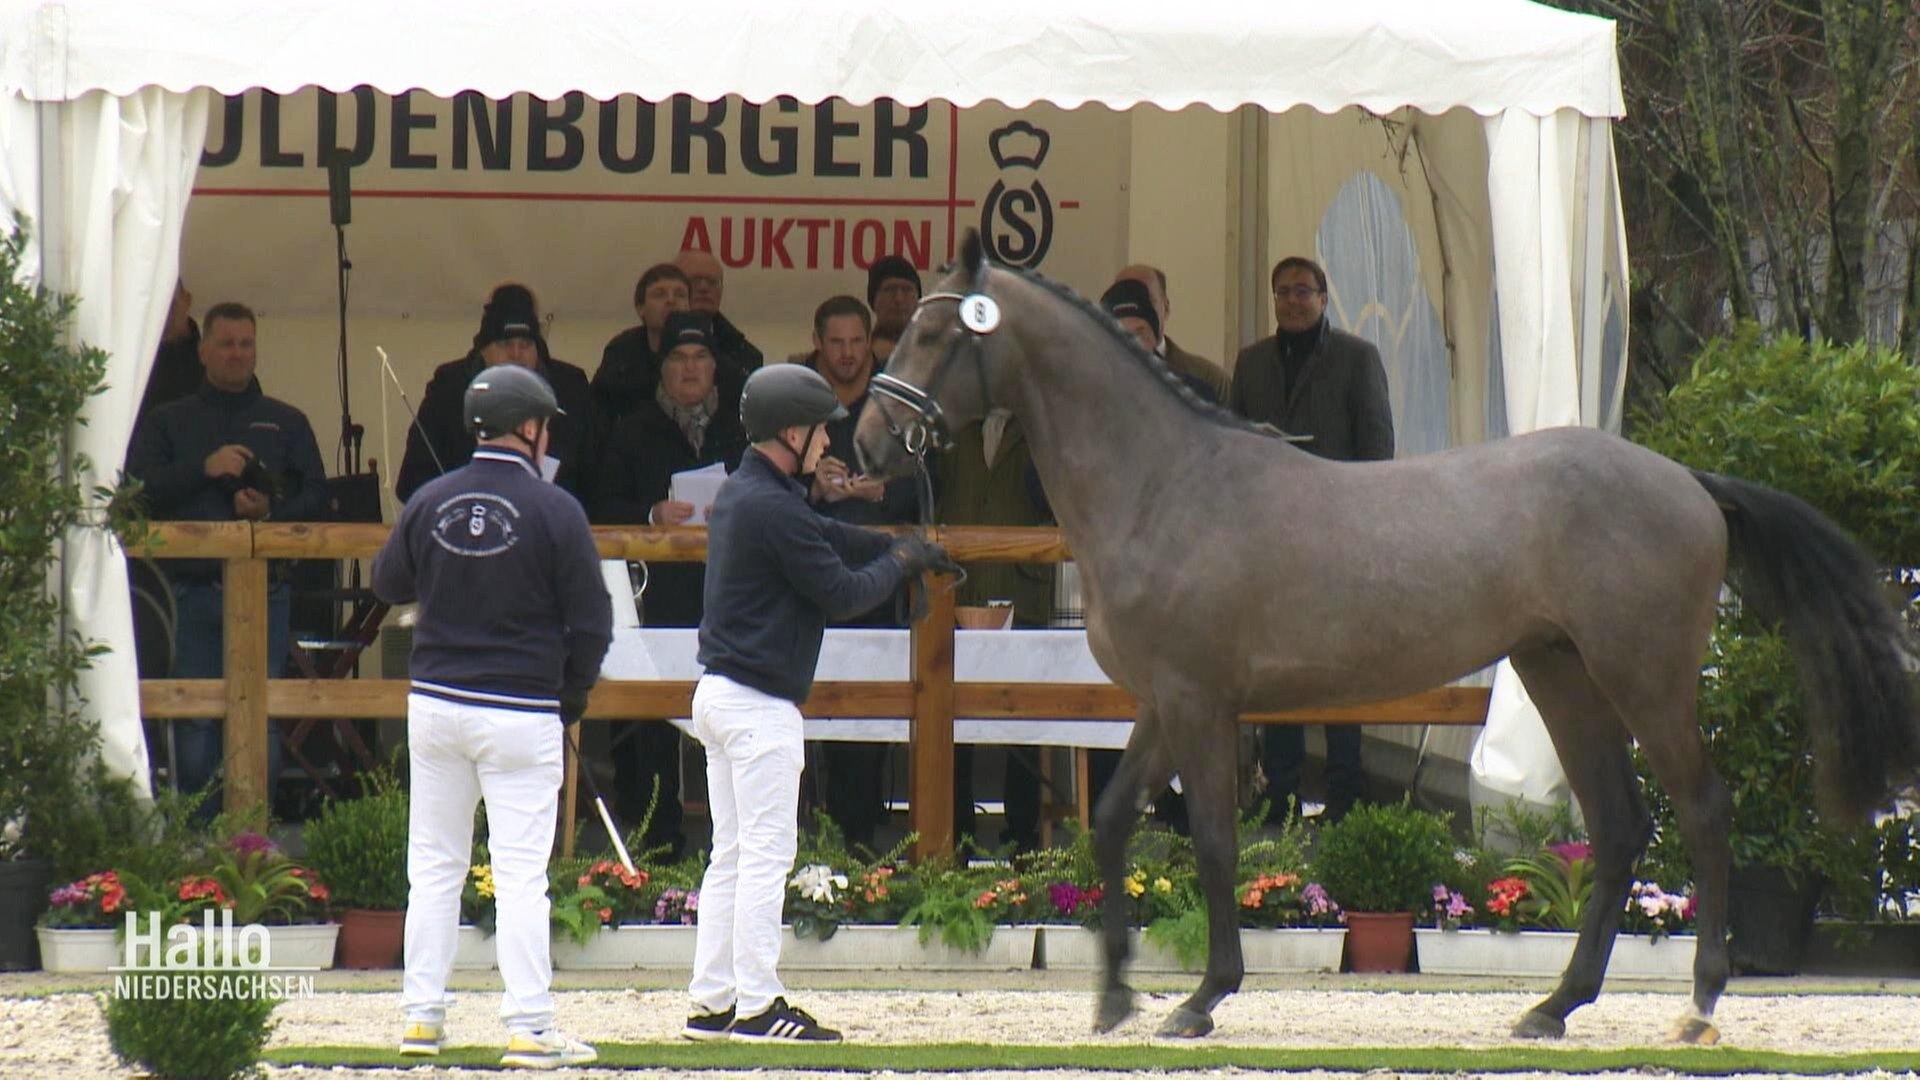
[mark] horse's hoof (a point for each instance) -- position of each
(1695, 1031)
(1538, 1025)
(1184, 1023)
(1115, 1006)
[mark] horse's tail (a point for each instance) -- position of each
(1793, 566)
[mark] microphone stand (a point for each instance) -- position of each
(340, 212)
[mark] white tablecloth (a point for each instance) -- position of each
(1038, 656)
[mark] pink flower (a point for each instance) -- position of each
(247, 843)
(1573, 853)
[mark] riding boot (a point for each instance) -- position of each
(1346, 780)
(1286, 746)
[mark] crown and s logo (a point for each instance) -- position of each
(1016, 219)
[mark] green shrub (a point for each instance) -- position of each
(45, 741)
(1837, 426)
(1840, 428)
(1384, 858)
(190, 1038)
(359, 847)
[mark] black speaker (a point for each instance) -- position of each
(339, 186)
(355, 497)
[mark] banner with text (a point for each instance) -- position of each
(577, 197)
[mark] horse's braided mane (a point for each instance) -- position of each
(1208, 410)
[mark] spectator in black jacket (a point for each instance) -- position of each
(683, 427)
(630, 365)
(509, 334)
(853, 792)
(176, 365)
(227, 453)
(734, 356)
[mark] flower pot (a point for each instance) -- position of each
(78, 950)
(1264, 952)
(372, 939)
(304, 945)
(1546, 953)
(1379, 941)
(475, 950)
(624, 948)
(1771, 919)
(884, 948)
(23, 896)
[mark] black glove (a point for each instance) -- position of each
(573, 704)
(918, 554)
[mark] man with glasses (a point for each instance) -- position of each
(1311, 380)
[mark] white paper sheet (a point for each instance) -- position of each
(699, 487)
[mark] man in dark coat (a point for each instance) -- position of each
(734, 357)
(630, 365)
(683, 427)
(176, 364)
(225, 453)
(1310, 379)
(509, 334)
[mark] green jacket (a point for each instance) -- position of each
(970, 493)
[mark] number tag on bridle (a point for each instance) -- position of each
(979, 313)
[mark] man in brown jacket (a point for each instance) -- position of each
(1177, 358)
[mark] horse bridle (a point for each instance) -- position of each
(928, 429)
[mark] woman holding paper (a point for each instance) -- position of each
(658, 470)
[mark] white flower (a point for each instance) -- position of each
(818, 882)
(10, 835)
(1464, 858)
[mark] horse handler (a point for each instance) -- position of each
(776, 572)
(514, 622)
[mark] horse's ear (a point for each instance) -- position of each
(972, 254)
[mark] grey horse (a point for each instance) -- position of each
(1226, 570)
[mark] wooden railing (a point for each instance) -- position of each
(931, 699)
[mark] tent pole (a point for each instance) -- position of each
(49, 225)
(1593, 269)
(1248, 220)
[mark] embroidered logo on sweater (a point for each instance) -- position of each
(476, 524)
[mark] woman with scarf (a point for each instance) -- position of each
(682, 428)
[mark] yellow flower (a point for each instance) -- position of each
(483, 881)
(1135, 886)
(1162, 885)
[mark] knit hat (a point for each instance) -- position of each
(888, 267)
(686, 328)
(1129, 299)
(510, 313)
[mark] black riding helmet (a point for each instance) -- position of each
(780, 396)
(501, 398)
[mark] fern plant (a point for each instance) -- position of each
(945, 904)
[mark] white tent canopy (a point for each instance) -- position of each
(1486, 55)
(104, 107)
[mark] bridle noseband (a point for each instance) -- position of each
(979, 316)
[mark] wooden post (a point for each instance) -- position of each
(245, 642)
(930, 734)
(569, 788)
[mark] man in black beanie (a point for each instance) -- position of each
(893, 289)
(1131, 304)
(509, 334)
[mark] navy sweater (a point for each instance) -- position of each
(513, 610)
(776, 572)
(171, 445)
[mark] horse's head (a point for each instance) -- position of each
(937, 380)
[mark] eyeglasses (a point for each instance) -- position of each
(1297, 292)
